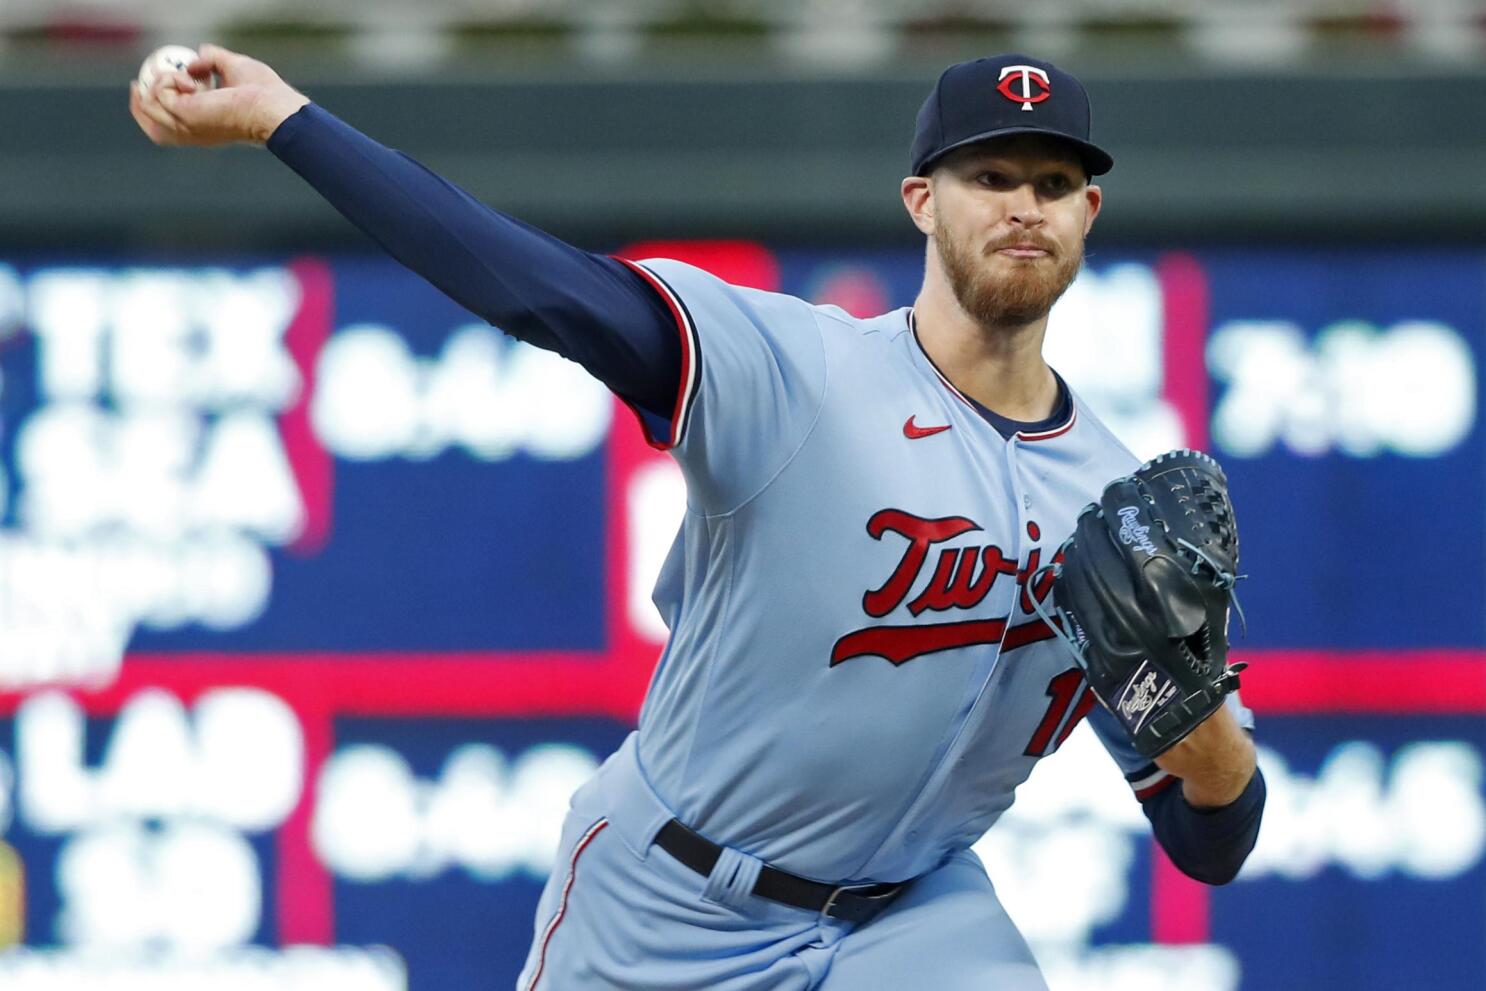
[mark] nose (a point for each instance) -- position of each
(1025, 210)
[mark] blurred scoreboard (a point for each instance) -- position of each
(318, 597)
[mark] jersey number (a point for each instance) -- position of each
(1063, 689)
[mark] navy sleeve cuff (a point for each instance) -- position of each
(1208, 844)
(283, 135)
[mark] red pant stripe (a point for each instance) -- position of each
(562, 906)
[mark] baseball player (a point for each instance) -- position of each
(857, 677)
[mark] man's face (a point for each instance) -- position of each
(1009, 222)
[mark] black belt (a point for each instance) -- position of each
(850, 903)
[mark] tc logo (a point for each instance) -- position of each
(1026, 74)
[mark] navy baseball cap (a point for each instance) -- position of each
(1004, 94)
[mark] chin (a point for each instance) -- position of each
(1003, 268)
(1019, 295)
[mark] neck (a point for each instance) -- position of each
(999, 366)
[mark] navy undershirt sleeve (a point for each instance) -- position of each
(589, 308)
(1207, 844)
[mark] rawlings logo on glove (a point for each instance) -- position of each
(1132, 533)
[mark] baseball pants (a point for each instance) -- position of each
(620, 913)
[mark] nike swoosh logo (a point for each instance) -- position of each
(913, 431)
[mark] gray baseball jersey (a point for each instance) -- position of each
(856, 680)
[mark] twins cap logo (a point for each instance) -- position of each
(1027, 75)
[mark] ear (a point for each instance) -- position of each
(918, 200)
(1094, 196)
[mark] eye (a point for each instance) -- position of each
(1056, 186)
(996, 180)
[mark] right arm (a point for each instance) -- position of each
(590, 308)
(730, 380)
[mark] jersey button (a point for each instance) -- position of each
(911, 838)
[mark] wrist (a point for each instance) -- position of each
(277, 107)
(1214, 762)
(1215, 791)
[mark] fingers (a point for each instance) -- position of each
(168, 104)
(148, 101)
(207, 61)
(173, 93)
(182, 81)
(159, 133)
(201, 69)
(161, 103)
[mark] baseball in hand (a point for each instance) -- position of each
(170, 58)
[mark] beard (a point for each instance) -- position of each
(1016, 298)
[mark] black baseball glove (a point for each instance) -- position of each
(1143, 592)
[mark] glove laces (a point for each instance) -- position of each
(1061, 626)
(1221, 578)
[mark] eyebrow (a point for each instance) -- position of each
(1060, 167)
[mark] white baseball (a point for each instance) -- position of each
(170, 58)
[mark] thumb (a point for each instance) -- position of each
(227, 64)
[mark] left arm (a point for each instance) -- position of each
(1209, 825)
(1215, 761)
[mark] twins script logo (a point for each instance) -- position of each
(1132, 533)
(959, 578)
(1027, 75)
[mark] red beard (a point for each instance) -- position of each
(1026, 294)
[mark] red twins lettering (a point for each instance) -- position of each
(952, 587)
(921, 534)
(962, 577)
(957, 583)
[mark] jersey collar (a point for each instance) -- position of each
(1062, 420)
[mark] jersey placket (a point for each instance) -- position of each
(976, 712)
(919, 814)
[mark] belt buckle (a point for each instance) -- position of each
(882, 896)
